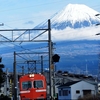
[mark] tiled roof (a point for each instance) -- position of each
(68, 84)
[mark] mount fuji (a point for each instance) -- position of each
(73, 16)
(74, 22)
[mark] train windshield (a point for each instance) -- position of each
(38, 84)
(26, 85)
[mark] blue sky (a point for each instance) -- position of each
(29, 13)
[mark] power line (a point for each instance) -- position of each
(42, 4)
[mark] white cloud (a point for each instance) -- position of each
(88, 33)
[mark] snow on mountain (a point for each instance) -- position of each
(75, 12)
(74, 22)
(74, 16)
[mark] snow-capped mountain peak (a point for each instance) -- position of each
(75, 16)
(75, 12)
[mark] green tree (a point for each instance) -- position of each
(2, 73)
(2, 76)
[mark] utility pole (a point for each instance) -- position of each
(15, 78)
(28, 67)
(22, 70)
(50, 60)
(53, 70)
(35, 66)
(7, 82)
(42, 64)
(98, 79)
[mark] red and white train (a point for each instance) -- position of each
(33, 87)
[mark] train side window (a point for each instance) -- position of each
(38, 84)
(26, 85)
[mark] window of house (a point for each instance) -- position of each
(59, 92)
(65, 92)
(77, 91)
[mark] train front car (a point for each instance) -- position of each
(33, 87)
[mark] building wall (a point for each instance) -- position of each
(61, 94)
(77, 89)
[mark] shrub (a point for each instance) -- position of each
(2, 97)
(89, 97)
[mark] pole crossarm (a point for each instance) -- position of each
(20, 55)
(33, 61)
(5, 38)
(38, 35)
(26, 60)
(32, 53)
(19, 38)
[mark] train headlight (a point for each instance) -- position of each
(31, 75)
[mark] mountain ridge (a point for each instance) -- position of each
(73, 16)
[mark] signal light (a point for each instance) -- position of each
(99, 88)
(56, 58)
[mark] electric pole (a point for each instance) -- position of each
(15, 77)
(50, 61)
(42, 64)
(22, 70)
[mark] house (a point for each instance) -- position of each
(75, 89)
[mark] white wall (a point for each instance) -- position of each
(81, 86)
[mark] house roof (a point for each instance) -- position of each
(68, 84)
